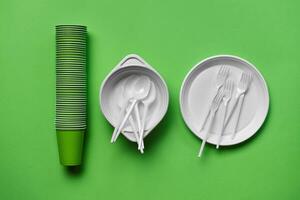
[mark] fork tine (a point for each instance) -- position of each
(221, 72)
(219, 99)
(220, 95)
(242, 81)
(231, 87)
(244, 78)
(248, 78)
(228, 86)
(225, 86)
(227, 70)
(216, 98)
(223, 69)
(214, 103)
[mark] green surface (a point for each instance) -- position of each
(172, 36)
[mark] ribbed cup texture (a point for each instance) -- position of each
(71, 84)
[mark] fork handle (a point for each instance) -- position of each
(206, 134)
(235, 102)
(223, 123)
(238, 115)
(208, 111)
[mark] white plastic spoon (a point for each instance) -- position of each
(138, 119)
(139, 91)
(146, 103)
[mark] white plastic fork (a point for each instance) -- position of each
(220, 80)
(228, 88)
(214, 107)
(242, 88)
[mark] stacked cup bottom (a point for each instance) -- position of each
(70, 92)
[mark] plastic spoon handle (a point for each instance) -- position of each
(138, 119)
(143, 122)
(134, 128)
(141, 143)
(125, 119)
(238, 115)
(119, 122)
(223, 124)
(206, 135)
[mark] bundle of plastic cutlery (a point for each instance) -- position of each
(134, 99)
(224, 90)
(137, 92)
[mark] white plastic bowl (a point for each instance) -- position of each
(110, 92)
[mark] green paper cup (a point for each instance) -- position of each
(70, 145)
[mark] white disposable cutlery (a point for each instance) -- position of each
(220, 80)
(224, 94)
(136, 90)
(242, 88)
(213, 109)
(135, 93)
(146, 104)
(123, 102)
(133, 98)
(228, 88)
(135, 132)
(138, 119)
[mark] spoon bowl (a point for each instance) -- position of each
(141, 88)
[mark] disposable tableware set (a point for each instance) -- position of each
(224, 99)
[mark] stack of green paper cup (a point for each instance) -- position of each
(70, 92)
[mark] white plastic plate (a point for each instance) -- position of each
(197, 92)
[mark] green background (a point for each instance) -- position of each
(172, 36)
